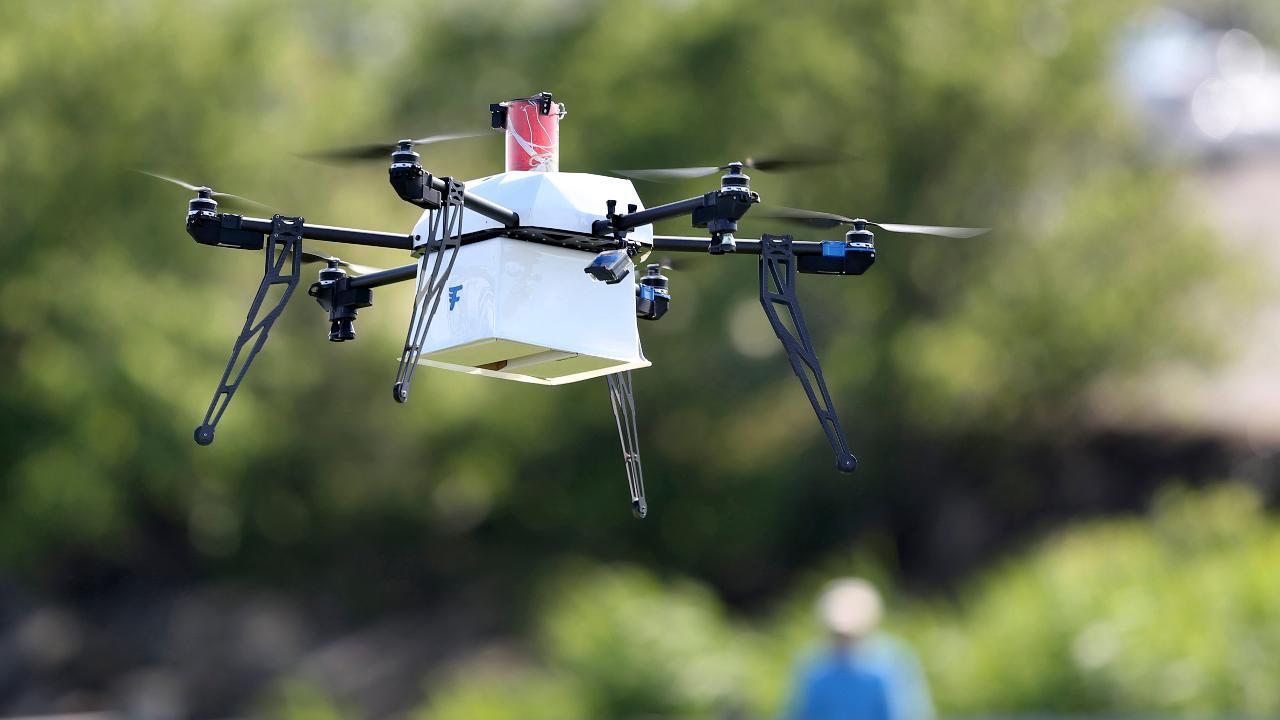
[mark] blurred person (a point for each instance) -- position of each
(864, 673)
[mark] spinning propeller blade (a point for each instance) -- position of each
(227, 198)
(353, 268)
(793, 162)
(668, 174)
(380, 151)
(814, 218)
(769, 164)
(939, 230)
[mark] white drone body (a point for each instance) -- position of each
(527, 311)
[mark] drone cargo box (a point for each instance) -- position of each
(523, 311)
(526, 311)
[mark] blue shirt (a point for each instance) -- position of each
(843, 671)
(834, 688)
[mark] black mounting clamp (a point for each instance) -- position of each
(612, 266)
(498, 111)
(609, 226)
(283, 249)
(334, 293)
(498, 116)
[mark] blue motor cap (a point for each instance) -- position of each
(839, 257)
(649, 292)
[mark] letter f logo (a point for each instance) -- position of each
(454, 292)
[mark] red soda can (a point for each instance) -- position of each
(533, 134)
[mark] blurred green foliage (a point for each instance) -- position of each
(1176, 613)
(123, 324)
(944, 360)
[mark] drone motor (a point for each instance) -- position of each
(334, 293)
(721, 210)
(653, 299)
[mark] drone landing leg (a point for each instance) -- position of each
(284, 245)
(624, 411)
(778, 288)
(444, 237)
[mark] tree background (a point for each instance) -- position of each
(471, 553)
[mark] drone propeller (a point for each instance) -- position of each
(814, 218)
(353, 268)
(225, 198)
(770, 164)
(380, 151)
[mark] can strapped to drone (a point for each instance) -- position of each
(533, 132)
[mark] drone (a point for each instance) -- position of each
(531, 274)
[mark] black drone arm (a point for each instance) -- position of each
(718, 211)
(246, 233)
(418, 187)
(778, 290)
(442, 186)
(825, 257)
(686, 243)
(661, 243)
(282, 267)
(632, 220)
